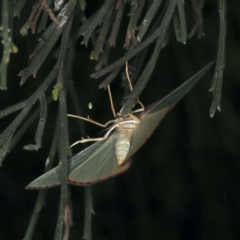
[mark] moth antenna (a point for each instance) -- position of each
(128, 77)
(87, 120)
(131, 88)
(111, 101)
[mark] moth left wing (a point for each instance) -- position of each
(94, 164)
(100, 165)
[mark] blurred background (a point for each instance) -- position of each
(184, 183)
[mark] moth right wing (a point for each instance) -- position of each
(152, 116)
(172, 98)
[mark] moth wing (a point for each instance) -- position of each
(100, 165)
(101, 155)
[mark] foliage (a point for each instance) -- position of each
(61, 26)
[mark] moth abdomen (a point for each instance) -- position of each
(122, 148)
(123, 141)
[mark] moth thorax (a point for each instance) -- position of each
(122, 145)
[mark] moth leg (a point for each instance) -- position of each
(84, 140)
(136, 119)
(90, 120)
(89, 140)
(141, 104)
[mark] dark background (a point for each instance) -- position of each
(184, 182)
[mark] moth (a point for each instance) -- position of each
(110, 156)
